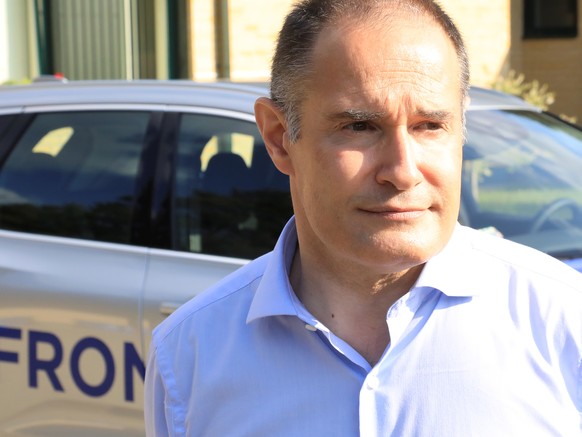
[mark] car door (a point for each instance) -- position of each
(71, 274)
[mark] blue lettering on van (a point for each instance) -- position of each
(131, 361)
(98, 345)
(12, 333)
(50, 364)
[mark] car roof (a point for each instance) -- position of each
(228, 95)
(236, 96)
(482, 98)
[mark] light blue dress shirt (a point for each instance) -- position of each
(487, 343)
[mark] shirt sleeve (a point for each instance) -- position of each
(155, 403)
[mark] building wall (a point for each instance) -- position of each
(202, 40)
(492, 30)
(486, 28)
(253, 31)
(485, 25)
(17, 42)
(255, 25)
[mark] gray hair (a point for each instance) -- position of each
(292, 61)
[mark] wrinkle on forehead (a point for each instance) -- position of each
(371, 64)
(357, 53)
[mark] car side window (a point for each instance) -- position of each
(74, 174)
(229, 199)
(5, 121)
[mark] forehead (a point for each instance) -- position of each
(385, 55)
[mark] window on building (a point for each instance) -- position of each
(550, 18)
(106, 39)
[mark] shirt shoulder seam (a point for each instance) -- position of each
(197, 308)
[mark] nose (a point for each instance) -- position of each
(398, 161)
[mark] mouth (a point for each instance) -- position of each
(396, 213)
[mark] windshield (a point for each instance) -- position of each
(522, 178)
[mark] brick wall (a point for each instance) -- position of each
(202, 39)
(253, 27)
(485, 25)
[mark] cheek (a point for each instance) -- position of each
(327, 180)
(328, 169)
(442, 168)
(350, 165)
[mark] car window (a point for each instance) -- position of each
(5, 121)
(74, 174)
(522, 175)
(229, 198)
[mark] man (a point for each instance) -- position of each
(376, 314)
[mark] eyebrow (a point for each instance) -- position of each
(438, 115)
(356, 115)
(362, 115)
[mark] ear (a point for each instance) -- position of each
(273, 128)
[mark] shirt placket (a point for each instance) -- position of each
(398, 319)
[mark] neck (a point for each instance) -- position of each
(351, 302)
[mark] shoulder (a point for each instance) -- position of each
(187, 344)
(537, 290)
(228, 300)
(537, 295)
(492, 253)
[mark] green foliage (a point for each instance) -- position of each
(569, 119)
(23, 81)
(533, 92)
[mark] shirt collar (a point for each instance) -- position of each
(452, 271)
(274, 295)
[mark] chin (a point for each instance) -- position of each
(409, 248)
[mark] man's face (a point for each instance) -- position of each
(375, 176)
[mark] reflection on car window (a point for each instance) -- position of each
(73, 174)
(522, 175)
(53, 142)
(229, 198)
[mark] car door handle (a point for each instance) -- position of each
(167, 308)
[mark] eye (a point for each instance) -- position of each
(359, 126)
(429, 126)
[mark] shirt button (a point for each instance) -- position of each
(373, 382)
(310, 327)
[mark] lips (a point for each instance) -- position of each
(395, 212)
(387, 209)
